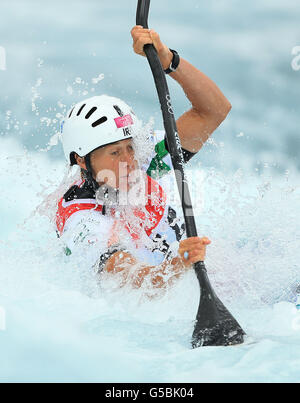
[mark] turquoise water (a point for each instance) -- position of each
(59, 326)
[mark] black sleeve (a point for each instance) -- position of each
(187, 155)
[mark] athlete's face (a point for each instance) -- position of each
(113, 164)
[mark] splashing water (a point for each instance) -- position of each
(58, 322)
(61, 324)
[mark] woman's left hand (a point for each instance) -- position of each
(142, 36)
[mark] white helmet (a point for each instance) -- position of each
(96, 122)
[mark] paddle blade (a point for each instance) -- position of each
(215, 326)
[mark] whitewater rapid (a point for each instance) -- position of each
(57, 323)
(61, 325)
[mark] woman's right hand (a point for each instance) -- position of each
(192, 250)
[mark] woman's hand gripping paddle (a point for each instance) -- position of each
(215, 326)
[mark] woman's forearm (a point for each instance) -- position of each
(123, 262)
(209, 105)
(157, 274)
(190, 251)
(205, 96)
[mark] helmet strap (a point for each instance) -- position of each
(107, 195)
(89, 173)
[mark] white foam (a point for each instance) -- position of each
(60, 321)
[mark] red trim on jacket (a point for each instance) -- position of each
(155, 207)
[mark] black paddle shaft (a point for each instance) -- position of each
(214, 323)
